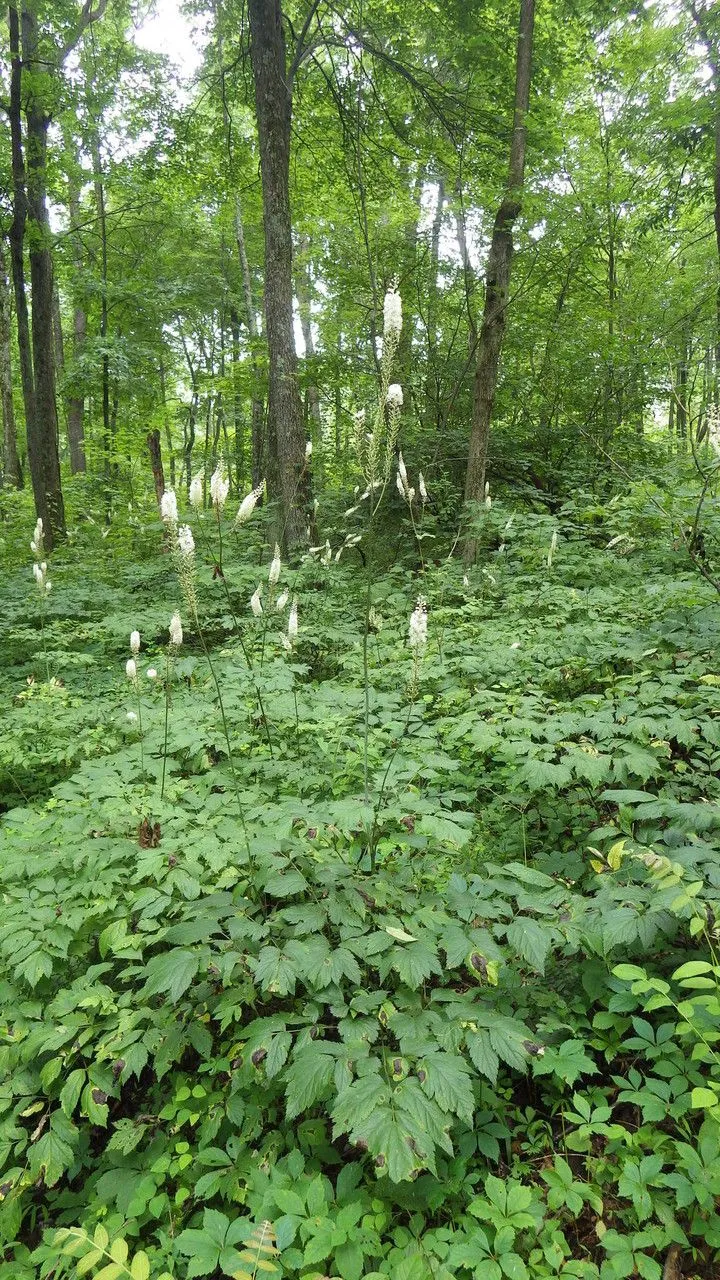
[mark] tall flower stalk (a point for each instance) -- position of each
(375, 451)
(175, 641)
(131, 672)
(184, 555)
(44, 585)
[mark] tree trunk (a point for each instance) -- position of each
(303, 291)
(17, 255)
(273, 110)
(99, 189)
(499, 267)
(432, 381)
(155, 451)
(11, 473)
(42, 430)
(75, 402)
(712, 48)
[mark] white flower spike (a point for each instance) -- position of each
(275, 567)
(196, 492)
(392, 312)
(293, 628)
(186, 542)
(248, 504)
(131, 669)
(417, 635)
(176, 631)
(219, 487)
(169, 507)
(37, 545)
(394, 396)
(135, 643)
(256, 603)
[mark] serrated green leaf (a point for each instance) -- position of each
(171, 972)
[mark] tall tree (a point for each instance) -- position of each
(11, 473)
(273, 105)
(36, 65)
(497, 283)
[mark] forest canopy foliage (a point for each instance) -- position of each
(360, 545)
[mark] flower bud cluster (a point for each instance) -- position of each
(248, 504)
(40, 575)
(219, 487)
(417, 634)
(196, 492)
(176, 631)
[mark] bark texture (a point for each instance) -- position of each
(11, 472)
(42, 430)
(76, 401)
(499, 268)
(273, 104)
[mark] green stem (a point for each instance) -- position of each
(245, 652)
(231, 759)
(167, 713)
(140, 730)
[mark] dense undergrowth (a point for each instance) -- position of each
(458, 1018)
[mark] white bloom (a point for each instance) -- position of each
(350, 512)
(326, 556)
(308, 449)
(219, 486)
(392, 311)
(37, 544)
(394, 396)
(186, 542)
(421, 487)
(169, 507)
(282, 601)
(196, 491)
(515, 644)
(176, 631)
(417, 635)
(248, 504)
(292, 629)
(466, 580)
(131, 669)
(399, 484)
(275, 567)
(316, 506)
(402, 471)
(132, 716)
(359, 418)
(39, 574)
(553, 548)
(135, 642)
(151, 673)
(488, 501)
(286, 644)
(410, 496)
(255, 603)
